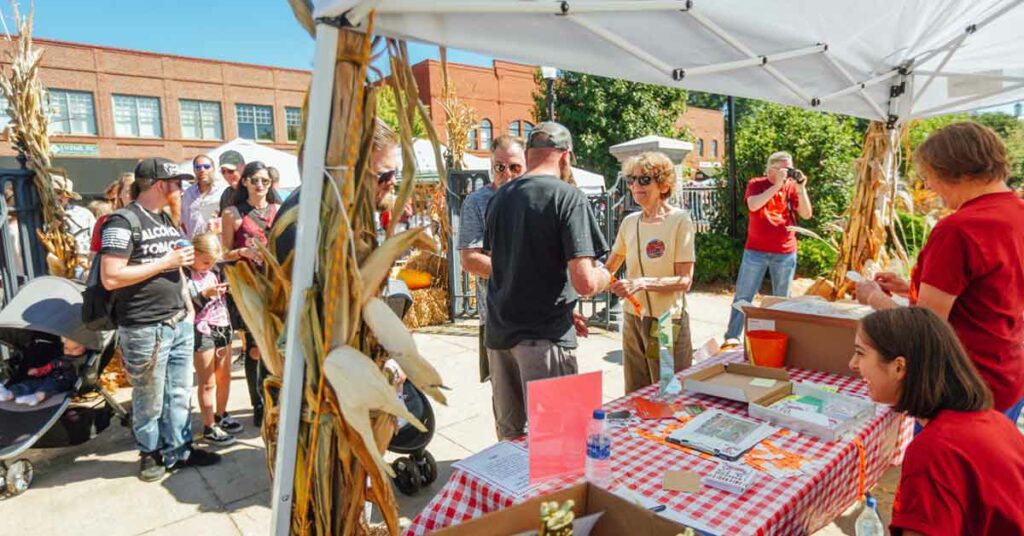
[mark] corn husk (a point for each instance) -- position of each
(429, 308)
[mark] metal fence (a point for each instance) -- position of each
(702, 202)
(462, 296)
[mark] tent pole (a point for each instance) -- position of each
(308, 226)
(731, 142)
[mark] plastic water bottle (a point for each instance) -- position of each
(868, 522)
(599, 451)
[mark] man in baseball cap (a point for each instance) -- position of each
(544, 242)
(79, 219)
(231, 165)
(141, 265)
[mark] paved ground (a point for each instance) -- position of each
(93, 487)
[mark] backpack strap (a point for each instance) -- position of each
(133, 222)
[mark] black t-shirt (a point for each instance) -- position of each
(535, 226)
(285, 242)
(225, 198)
(158, 298)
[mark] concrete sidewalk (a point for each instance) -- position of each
(93, 488)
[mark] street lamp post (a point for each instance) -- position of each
(550, 74)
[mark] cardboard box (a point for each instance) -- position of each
(816, 342)
(733, 381)
(760, 409)
(620, 516)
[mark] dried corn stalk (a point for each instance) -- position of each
(346, 419)
(870, 234)
(28, 131)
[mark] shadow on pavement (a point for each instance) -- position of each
(615, 357)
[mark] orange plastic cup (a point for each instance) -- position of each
(767, 348)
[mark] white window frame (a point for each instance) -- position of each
(253, 108)
(131, 102)
(55, 122)
(200, 120)
(288, 124)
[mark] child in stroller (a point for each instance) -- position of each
(46, 376)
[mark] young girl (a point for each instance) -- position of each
(212, 341)
(964, 473)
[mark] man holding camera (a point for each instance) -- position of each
(774, 201)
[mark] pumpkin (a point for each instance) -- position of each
(415, 279)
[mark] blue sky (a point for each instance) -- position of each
(253, 31)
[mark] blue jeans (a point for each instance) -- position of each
(781, 266)
(158, 359)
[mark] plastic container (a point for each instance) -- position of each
(599, 451)
(767, 348)
(868, 522)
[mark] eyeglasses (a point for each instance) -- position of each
(386, 176)
(644, 180)
(263, 182)
(202, 166)
(514, 168)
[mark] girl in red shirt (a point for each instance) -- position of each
(964, 473)
(970, 270)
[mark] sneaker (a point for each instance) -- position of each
(151, 467)
(729, 344)
(198, 458)
(214, 435)
(229, 424)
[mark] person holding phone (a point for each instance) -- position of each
(212, 341)
(774, 201)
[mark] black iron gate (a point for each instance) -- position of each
(462, 297)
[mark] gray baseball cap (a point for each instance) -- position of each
(550, 135)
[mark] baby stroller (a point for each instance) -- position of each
(44, 310)
(416, 468)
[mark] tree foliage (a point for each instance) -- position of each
(601, 112)
(388, 112)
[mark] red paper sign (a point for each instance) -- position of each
(559, 410)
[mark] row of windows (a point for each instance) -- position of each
(700, 147)
(73, 112)
(480, 137)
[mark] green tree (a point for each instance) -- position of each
(388, 112)
(601, 112)
(823, 145)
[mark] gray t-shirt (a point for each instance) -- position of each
(472, 223)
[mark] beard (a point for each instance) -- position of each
(174, 207)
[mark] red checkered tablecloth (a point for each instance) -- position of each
(794, 505)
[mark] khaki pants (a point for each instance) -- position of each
(512, 369)
(640, 371)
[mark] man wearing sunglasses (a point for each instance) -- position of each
(200, 203)
(231, 165)
(544, 243)
(508, 161)
(774, 201)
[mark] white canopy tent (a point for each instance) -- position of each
(883, 60)
(286, 163)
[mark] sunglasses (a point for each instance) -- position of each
(385, 176)
(264, 182)
(644, 180)
(225, 170)
(202, 166)
(514, 168)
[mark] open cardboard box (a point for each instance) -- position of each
(760, 409)
(816, 342)
(620, 516)
(733, 381)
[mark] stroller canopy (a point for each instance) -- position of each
(52, 305)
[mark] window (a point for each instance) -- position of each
(714, 148)
(137, 117)
(5, 118)
(72, 112)
(200, 120)
(471, 139)
(520, 129)
(527, 129)
(486, 133)
(293, 122)
(700, 146)
(255, 122)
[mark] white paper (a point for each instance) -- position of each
(760, 324)
(504, 465)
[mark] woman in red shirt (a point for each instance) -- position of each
(970, 270)
(964, 473)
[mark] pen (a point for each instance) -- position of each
(659, 508)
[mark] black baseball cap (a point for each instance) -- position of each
(232, 160)
(160, 169)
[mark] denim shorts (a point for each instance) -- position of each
(219, 337)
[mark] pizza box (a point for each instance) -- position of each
(737, 381)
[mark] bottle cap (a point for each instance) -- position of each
(599, 414)
(871, 502)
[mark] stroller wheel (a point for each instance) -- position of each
(428, 468)
(407, 476)
(19, 477)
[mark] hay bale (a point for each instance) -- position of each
(435, 265)
(429, 308)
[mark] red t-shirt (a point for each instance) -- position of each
(97, 235)
(767, 229)
(977, 255)
(963, 474)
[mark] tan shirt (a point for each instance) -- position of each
(662, 246)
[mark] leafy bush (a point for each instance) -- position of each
(913, 231)
(718, 258)
(814, 258)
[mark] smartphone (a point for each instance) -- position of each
(619, 415)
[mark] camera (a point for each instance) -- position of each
(792, 173)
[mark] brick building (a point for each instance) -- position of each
(111, 107)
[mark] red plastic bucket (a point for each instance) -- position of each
(767, 348)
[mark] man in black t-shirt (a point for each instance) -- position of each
(543, 240)
(142, 267)
(231, 165)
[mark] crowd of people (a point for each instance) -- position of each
(953, 360)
